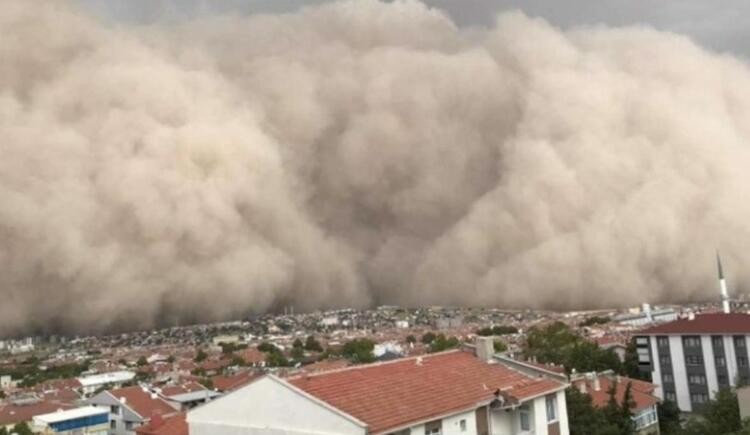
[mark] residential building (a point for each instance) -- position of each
(599, 385)
(130, 408)
(87, 420)
(690, 359)
(24, 411)
(453, 392)
(92, 383)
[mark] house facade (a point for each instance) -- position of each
(455, 392)
(690, 359)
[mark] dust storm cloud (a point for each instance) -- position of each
(358, 153)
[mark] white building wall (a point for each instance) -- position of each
(656, 364)
(710, 365)
(540, 416)
(452, 425)
(269, 406)
(502, 422)
(731, 358)
(562, 412)
(680, 376)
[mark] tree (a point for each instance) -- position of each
(504, 330)
(441, 343)
(276, 359)
(556, 343)
(22, 429)
(428, 337)
(485, 332)
(313, 345)
(719, 416)
(141, 361)
(584, 418)
(669, 418)
(207, 382)
(171, 359)
(595, 320)
(200, 356)
(297, 353)
(499, 346)
(3, 431)
(298, 344)
(630, 365)
(359, 350)
(411, 339)
(267, 347)
(620, 414)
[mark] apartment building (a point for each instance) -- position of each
(691, 358)
(459, 392)
(131, 407)
(87, 420)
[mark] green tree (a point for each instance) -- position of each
(141, 361)
(171, 359)
(595, 320)
(499, 346)
(504, 330)
(297, 353)
(718, 416)
(441, 343)
(411, 339)
(669, 418)
(630, 365)
(22, 429)
(584, 418)
(3, 431)
(485, 332)
(359, 350)
(207, 382)
(200, 356)
(428, 337)
(267, 347)
(298, 344)
(276, 359)
(313, 345)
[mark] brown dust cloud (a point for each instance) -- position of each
(358, 153)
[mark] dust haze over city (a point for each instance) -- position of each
(204, 165)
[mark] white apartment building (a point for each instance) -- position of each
(87, 420)
(448, 393)
(690, 359)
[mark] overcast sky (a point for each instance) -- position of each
(722, 26)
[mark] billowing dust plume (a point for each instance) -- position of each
(358, 153)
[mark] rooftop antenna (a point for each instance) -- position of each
(722, 286)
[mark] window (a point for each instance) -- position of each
(662, 341)
(114, 409)
(551, 402)
(462, 425)
(129, 425)
(667, 377)
(525, 418)
(718, 342)
(113, 424)
(665, 360)
(720, 361)
(694, 360)
(722, 379)
(739, 342)
(742, 361)
(699, 398)
(697, 379)
(671, 396)
(433, 427)
(641, 340)
(692, 341)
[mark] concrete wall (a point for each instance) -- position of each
(268, 406)
(680, 375)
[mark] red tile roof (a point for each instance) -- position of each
(228, 383)
(713, 323)
(389, 395)
(173, 390)
(175, 425)
(12, 414)
(142, 402)
(640, 390)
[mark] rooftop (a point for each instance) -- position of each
(713, 323)
(390, 395)
(70, 414)
(142, 402)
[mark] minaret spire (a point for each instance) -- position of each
(722, 286)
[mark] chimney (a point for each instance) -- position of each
(646, 309)
(157, 421)
(582, 386)
(123, 399)
(485, 348)
(597, 385)
(691, 316)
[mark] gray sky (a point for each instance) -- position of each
(722, 26)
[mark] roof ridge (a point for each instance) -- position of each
(371, 365)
